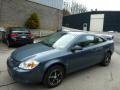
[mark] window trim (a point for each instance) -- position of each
(90, 45)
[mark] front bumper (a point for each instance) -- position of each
(25, 76)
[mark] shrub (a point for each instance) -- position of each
(33, 22)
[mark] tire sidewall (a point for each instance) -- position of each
(45, 79)
(107, 59)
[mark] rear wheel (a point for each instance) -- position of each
(106, 60)
(54, 76)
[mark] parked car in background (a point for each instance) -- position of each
(2, 31)
(58, 55)
(17, 36)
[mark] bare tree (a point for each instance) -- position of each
(77, 8)
(67, 6)
(66, 12)
(74, 8)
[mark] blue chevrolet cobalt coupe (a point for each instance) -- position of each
(58, 55)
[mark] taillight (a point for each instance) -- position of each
(13, 35)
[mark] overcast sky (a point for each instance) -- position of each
(113, 5)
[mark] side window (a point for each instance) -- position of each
(86, 41)
(98, 40)
(89, 40)
(101, 40)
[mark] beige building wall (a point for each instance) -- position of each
(16, 12)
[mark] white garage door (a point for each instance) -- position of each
(97, 22)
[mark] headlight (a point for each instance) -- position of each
(29, 64)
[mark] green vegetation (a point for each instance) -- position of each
(33, 22)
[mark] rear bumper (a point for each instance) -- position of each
(21, 41)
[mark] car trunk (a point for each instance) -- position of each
(21, 35)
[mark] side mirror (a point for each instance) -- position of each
(76, 47)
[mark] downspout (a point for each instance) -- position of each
(0, 8)
(1, 4)
(60, 18)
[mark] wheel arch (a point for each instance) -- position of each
(109, 51)
(49, 65)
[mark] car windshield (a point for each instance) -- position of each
(58, 40)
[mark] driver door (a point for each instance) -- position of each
(86, 56)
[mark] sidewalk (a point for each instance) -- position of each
(3, 47)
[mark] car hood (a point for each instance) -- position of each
(29, 51)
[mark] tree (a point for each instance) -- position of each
(33, 22)
(78, 8)
(74, 7)
(66, 12)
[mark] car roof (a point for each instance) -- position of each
(76, 31)
(80, 33)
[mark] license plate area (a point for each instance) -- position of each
(23, 37)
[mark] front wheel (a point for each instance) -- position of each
(106, 60)
(54, 76)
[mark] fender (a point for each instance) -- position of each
(109, 50)
(52, 62)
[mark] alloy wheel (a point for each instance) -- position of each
(55, 77)
(107, 59)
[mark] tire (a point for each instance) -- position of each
(107, 59)
(54, 76)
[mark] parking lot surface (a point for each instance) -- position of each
(93, 78)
